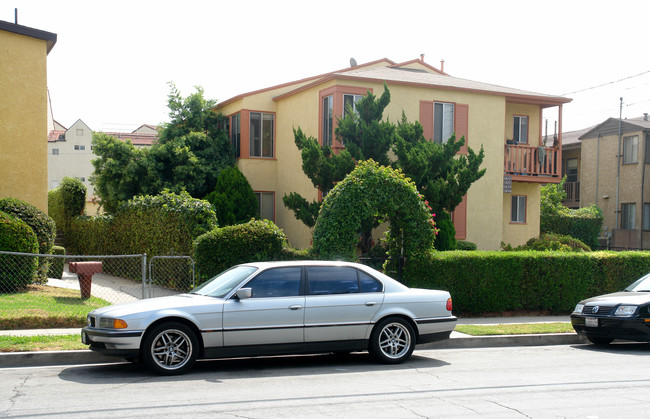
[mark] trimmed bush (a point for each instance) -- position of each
(16, 236)
(493, 282)
(56, 264)
(233, 198)
(465, 245)
(66, 201)
(556, 242)
(256, 240)
(446, 238)
(43, 226)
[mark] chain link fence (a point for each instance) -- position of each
(77, 284)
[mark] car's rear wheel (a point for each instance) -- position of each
(392, 341)
(170, 348)
(599, 340)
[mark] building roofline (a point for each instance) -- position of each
(48, 37)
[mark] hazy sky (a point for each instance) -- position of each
(113, 59)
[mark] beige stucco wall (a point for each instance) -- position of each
(23, 118)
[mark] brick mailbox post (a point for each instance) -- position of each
(85, 272)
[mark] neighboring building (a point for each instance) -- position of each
(23, 112)
(618, 186)
(503, 206)
(571, 166)
(70, 151)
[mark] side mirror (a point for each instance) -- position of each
(244, 293)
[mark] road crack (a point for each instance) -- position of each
(509, 408)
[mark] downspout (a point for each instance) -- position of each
(618, 167)
(597, 167)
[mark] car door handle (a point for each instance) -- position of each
(295, 307)
(370, 303)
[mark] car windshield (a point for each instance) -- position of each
(226, 281)
(640, 285)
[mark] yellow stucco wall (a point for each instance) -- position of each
(532, 112)
(517, 234)
(23, 118)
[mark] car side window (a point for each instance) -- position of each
(368, 283)
(324, 280)
(278, 282)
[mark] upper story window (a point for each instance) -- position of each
(350, 104)
(443, 122)
(235, 133)
(80, 147)
(520, 129)
(55, 151)
(328, 120)
(571, 170)
(261, 134)
(80, 132)
(631, 149)
(518, 209)
(646, 216)
(628, 216)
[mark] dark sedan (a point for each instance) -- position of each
(622, 315)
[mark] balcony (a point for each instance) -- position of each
(572, 190)
(526, 163)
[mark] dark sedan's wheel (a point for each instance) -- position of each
(599, 340)
(170, 348)
(392, 341)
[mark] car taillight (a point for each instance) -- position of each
(449, 304)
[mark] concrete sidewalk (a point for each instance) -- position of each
(457, 341)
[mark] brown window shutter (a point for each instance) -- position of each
(461, 124)
(426, 119)
(460, 219)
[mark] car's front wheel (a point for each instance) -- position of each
(392, 341)
(170, 348)
(599, 340)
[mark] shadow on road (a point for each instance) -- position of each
(244, 368)
(619, 348)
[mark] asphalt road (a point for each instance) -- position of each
(538, 382)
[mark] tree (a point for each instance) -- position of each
(233, 198)
(190, 152)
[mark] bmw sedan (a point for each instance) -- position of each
(273, 308)
(622, 315)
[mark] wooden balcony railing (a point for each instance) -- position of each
(527, 163)
(572, 190)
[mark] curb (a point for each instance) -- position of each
(55, 358)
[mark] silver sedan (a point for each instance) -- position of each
(272, 308)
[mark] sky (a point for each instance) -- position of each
(113, 59)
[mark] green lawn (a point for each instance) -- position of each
(514, 329)
(44, 307)
(40, 343)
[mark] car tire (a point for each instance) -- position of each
(599, 340)
(392, 341)
(170, 348)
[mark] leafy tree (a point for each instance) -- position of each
(233, 198)
(190, 152)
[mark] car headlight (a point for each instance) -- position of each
(108, 323)
(625, 311)
(578, 308)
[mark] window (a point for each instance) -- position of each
(279, 282)
(235, 133)
(628, 216)
(630, 149)
(266, 205)
(443, 122)
(328, 120)
(83, 179)
(261, 134)
(647, 149)
(80, 132)
(55, 151)
(571, 170)
(646, 216)
(324, 280)
(350, 104)
(79, 147)
(518, 209)
(368, 283)
(520, 129)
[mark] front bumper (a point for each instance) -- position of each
(624, 328)
(122, 343)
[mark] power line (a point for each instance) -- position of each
(608, 83)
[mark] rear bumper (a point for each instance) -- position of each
(435, 329)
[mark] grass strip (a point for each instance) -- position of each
(41, 343)
(514, 329)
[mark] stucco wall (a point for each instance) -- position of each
(23, 118)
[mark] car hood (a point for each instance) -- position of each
(184, 301)
(635, 298)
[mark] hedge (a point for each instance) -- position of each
(584, 224)
(494, 282)
(256, 240)
(56, 264)
(66, 201)
(16, 236)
